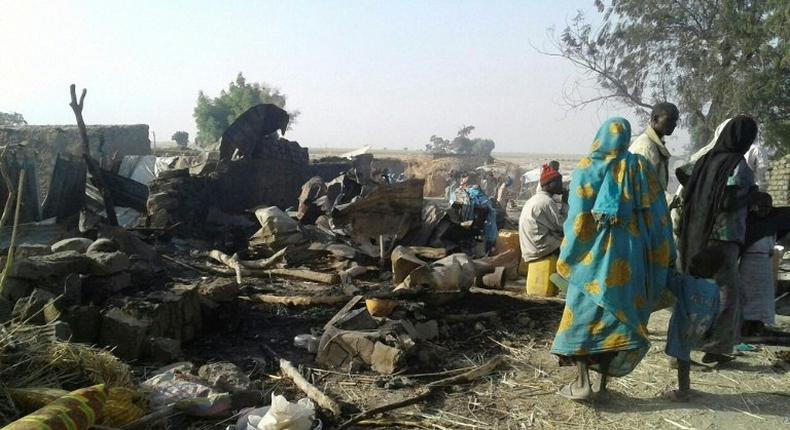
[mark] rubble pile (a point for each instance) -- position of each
(92, 292)
(437, 172)
(149, 257)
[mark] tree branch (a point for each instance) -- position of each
(93, 167)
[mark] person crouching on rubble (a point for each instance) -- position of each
(693, 314)
(540, 224)
(475, 207)
(616, 257)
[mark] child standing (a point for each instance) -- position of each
(694, 313)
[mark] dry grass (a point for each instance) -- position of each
(30, 356)
(751, 393)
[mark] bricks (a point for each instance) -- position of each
(779, 181)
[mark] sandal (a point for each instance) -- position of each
(717, 358)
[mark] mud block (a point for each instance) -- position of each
(386, 359)
(124, 332)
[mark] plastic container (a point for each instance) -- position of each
(523, 267)
(506, 240)
(539, 277)
(380, 307)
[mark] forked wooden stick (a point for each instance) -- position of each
(93, 167)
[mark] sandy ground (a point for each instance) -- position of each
(752, 392)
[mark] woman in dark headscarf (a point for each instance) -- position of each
(715, 198)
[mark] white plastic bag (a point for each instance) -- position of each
(284, 415)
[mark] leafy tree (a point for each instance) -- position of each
(438, 145)
(466, 130)
(482, 146)
(714, 59)
(12, 118)
(181, 138)
(214, 115)
(461, 144)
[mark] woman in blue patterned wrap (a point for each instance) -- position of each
(616, 255)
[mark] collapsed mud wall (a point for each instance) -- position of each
(274, 179)
(394, 165)
(46, 141)
(436, 171)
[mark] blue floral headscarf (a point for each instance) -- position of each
(617, 251)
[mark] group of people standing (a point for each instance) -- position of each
(624, 256)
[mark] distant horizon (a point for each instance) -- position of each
(388, 74)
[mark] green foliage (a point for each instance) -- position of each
(12, 118)
(466, 130)
(713, 59)
(214, 115)
(461, 144)
(181, 138)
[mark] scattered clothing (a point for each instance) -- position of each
(540, 226)
(745, 347)
(653, 148)
(757, 280)
(696, 307)
(616, 255)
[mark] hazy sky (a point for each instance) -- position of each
(385, 73)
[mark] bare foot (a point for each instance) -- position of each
(575, 392)
(679, 396)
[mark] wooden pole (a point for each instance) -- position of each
(77, 106)
(9, 261)
(312, 392)
(9, 184)
(93, 167)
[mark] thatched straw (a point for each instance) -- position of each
(31, 356)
